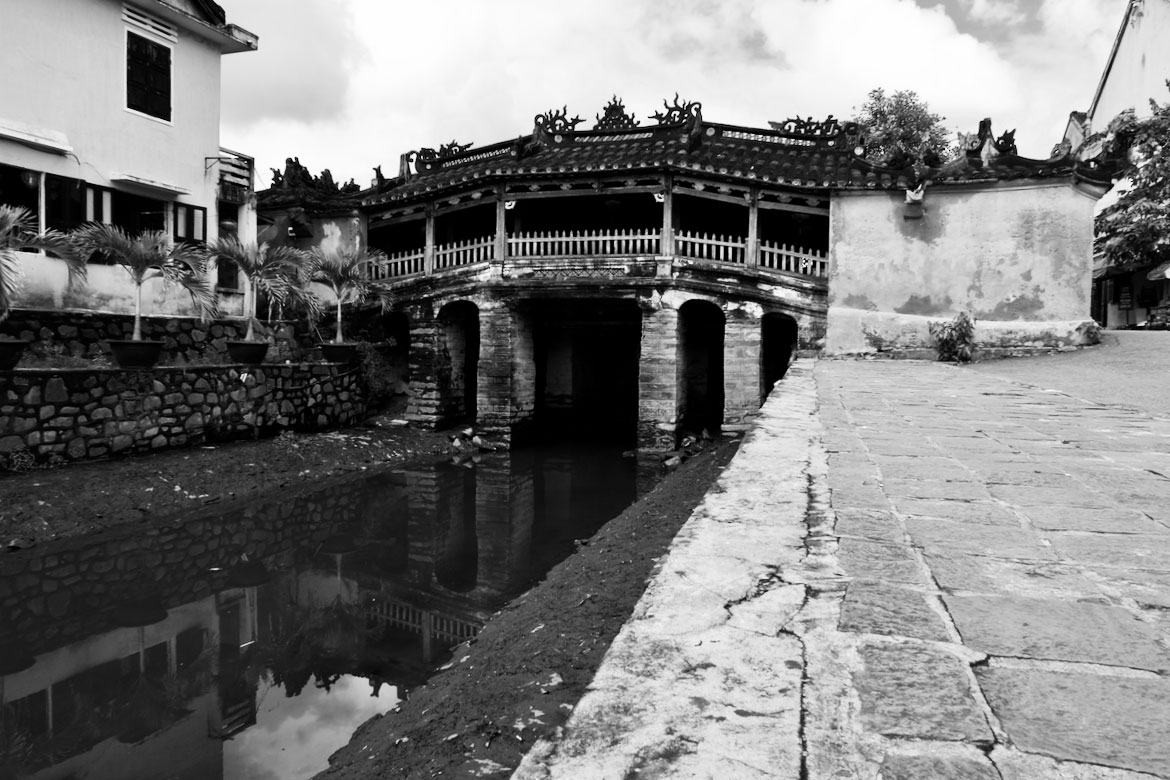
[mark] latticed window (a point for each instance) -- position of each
(148, 76)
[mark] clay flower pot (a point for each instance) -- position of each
(10, 352)
(250, 353)
(135, 354)
(333, 352)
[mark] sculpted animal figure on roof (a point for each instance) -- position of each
(679, 112)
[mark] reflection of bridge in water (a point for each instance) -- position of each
(148, 648)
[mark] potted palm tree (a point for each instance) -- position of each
(150, 255)
(346, 272)
(274, 271)
(18, 231)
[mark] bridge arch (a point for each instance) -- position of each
(701, 327)
(457, 359)
(779, 334)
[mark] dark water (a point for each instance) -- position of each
(250, 644)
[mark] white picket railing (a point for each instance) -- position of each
(467, 252)
(793, 260)
(606, 243)
(585, 243)
(701, 246)
(396, 614)
(399, 264)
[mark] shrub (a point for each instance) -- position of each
(954, 340)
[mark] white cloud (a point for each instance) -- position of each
(996, 11)
(401, 76)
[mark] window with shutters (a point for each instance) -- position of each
(148, 76)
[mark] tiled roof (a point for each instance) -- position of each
(798, 154)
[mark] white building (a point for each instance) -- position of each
(1135, 72)
(111, 113)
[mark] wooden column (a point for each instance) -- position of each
(429, 251)
(501, 228)
(667, 214)
(752, 254)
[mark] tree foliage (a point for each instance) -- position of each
(1136, 228)
(900, 126)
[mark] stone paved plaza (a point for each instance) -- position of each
(910, 571)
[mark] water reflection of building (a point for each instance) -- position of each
(255, 597)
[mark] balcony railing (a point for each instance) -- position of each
(461, 253)
(399, 264)
(701, 246)
(527, 249)
(792, 260)
(584, 243)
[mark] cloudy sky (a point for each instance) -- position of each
(350, 84)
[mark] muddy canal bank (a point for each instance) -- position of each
(46, 504)
(526, 670)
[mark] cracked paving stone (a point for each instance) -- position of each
(913, 690)
(870, 560)
(936, 488)
(956, 571)
(899, 767)
(878, 608)
(1123, 551)
(943, 469)
(872, 524)
(1057, 630)
(1039, 495)
(1074, 518)
(934, 535)
(983, 512)
(1110, 721)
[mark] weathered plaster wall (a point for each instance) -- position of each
(82, 413)
(1002, 254)
(44, 284)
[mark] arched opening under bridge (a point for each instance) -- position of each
(700, 367)
(778, 335)
(458, 360)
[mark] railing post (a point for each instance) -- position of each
(751, 249)
(429, 250)
(501, 229)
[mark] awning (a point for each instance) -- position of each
(1161, 272)
(141, 182)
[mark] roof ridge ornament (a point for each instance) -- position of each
(615, 117)
(686, 111)
(806, 128)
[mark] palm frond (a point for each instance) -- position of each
(18, 231)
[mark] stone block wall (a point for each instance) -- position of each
(56, 415)
(658, 391)
(741, 371)
(186, 340)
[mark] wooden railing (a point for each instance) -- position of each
(701, 246)
(396, 614)
(793, 260)
(399, 264)
(536, 246)
(467, 252)
(585, 243)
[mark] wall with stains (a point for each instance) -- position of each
(1012, 257)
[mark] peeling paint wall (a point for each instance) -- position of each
(1001, 254)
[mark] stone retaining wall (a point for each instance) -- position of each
(57, 415)
(186, 340)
